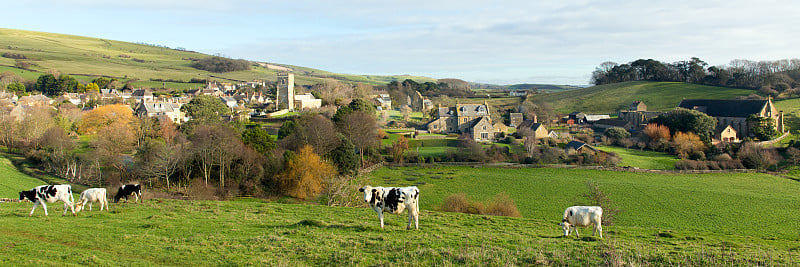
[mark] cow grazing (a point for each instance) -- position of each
(393, 200)
(582, 216)
(127, 190)
(43, 194)
(92, 195)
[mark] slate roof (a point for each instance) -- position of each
(445, 112)
(472, 110)
(479, 121)
(724, 108)
(577, 145)
(529, 124)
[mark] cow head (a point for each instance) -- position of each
(78, 207)
(565, 226)
(30, 195)
(371, 194)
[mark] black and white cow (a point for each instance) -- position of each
(393, 200)
(127, 190)
(43, 194)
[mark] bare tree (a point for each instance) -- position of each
(361, 129)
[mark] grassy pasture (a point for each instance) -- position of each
(176, 232)
(643, 159)
(745, 204)
(658, 96)
(255, 232)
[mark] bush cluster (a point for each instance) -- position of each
(221, 64)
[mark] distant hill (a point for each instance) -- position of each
(658, 96)
(543, 87)
(30, 53)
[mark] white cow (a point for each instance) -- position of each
(48, 194)
(91, 195)
(393, 200)
(582, 216)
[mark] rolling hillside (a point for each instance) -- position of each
(86, 57)
(658, 96)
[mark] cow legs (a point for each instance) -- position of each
(575, 229)
(599, 229)
(71, 207)
(413, 214)
(380, 215)
(34, 208)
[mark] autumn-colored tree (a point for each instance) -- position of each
(398, 148)
(101, 117)
(92, 88)
(687, 144)
(659, 136)
(117, 139)
(311, 129)
(305, 173)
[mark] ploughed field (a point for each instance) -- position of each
(667, 220)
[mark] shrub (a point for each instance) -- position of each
(14, 55)
(459, 203)
(501, 205)
(597, 197)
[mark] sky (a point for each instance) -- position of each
(498, 42)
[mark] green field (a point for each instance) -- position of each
(791, 113)
(12, 181)
(658, 96)
(762, 205)
(138, 63)
(667, 220)
(643, 159)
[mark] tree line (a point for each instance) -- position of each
(206, 157)
(770, 76)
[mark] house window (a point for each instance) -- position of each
(484, 135)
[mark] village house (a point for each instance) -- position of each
(735, 113)
(472, 119)
(517, 93)
(142, 94)
(637, 115)
(419, 103)
(383, 101)
(229, 101)
(578, 147)
(515, 119)
(161, 109)
(35, 100)
(532, 129)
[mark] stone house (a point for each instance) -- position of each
(473, 119)
(735, 113)
(515, 119)
(578, 147)
(532, 129)
(727, 134)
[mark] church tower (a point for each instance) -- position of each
(285, 90)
